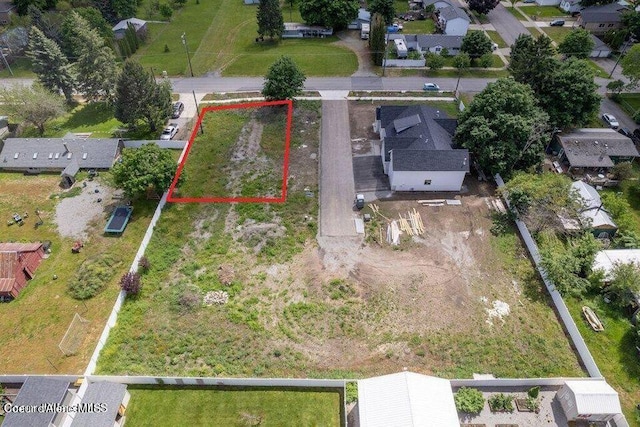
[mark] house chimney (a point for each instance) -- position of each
(66, 149)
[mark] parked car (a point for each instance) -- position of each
(528, 1)
(359, 202)
(626, 132)
(431, 87)
(169, 132)
(178, 108)
(557, 23)
(610, 120)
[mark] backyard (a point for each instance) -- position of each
(36, 321)
(230, 407)
(221, 36)
(537, 12)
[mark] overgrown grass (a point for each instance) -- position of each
(233, 407)
(497, 38)
(543, 11)
(427, 26)
(21, 68)
(557, 34)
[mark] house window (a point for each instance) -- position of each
(611, 25)
(601, 25)
(427, 182)
(438, 49)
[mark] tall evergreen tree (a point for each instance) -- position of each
(270, 21)
(50, 65)
(139, 98)
(377, 38)
(96, 64)
(533, 61)
(386, 8)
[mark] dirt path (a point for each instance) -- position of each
(351, 40)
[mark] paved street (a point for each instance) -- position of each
(506, 24)
(337, 189)
(608, 106)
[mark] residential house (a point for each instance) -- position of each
(453, 21)
(417, 152)
(406, 399)
(570, 6)
(35, 155)
(438, 4)
(600, 48)
(425, 43)
(606, 260)
(593, 148)
(138, 24)
(113, 397)
(592, 213)
(602, 18)
(7, 8)
(296, 30)
(36, 391)
(18, 263)
(547, 2)
(589, 401)
(364, 17)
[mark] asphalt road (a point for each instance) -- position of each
(337, 189)
(506, 24)
(608, 106)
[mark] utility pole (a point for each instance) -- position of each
(6, 64)
(625, 45)
(186, 48)
(197, 111)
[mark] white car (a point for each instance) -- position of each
(169, 132)
(610, 120)
(431, 87)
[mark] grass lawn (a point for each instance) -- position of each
(428, 26)
(630, 103)
(515, 12)
(221, 36)
(557, 34)
(21, 67)
(599, 71)
(543, 11)
(483, 19)
(39, 317)
(233, 407)
(496, 38)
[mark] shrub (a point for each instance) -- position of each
(189, 299)
(92, 276)
(469, 400)
(486, 60)
(352, 392)
(144, 264)
(623, 171)
(166, 11)
(131, 283)
(534, 392)
(501, 402)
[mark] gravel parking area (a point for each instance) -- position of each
(75, 215)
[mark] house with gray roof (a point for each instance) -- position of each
(602, 18)
(594, 148)
(109, 400)
(364, 17)
(453, 21)
(570, 6)
(36, 391)
(417, 149)
(35, 155)
(600, 48)
(139, 25)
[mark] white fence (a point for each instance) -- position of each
(561, 307)
(404, 62)
(175, 144)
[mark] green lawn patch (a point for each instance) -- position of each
(543, 12)
(557, 34)
(630, 103)
(496, 38)
(233, 407)
(515, 12)
(21, 67)
(599, 71)
(428, 26)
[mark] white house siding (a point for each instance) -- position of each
(548, 2)
(456, 27)
(414, 180)
(404, 63)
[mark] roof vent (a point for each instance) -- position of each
(50, 156)
(15, 156)
(84, 156)
(596, 142)
(57, 156)
(69, 156)
(35, 156)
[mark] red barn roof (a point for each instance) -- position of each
(18, 263)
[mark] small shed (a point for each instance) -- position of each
(593, 215)
(406, 399)
(138, 24)
(36, 391)
(600, 48)
(589, 400)
(113, 397)
(18, 263)
(364, 17)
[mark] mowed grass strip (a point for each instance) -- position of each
(235, 407)
(543, 11)
(557, 34)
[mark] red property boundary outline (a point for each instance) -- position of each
(285, 165)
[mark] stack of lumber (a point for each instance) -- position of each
(432, 202)
(412, 224)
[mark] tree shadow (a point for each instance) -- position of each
(628, 355)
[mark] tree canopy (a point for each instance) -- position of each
(270, 20)
(144, 169)
(329, 13)
(631, 65)
(377, 33)
(476, 44)
(50, 65)
(139, 98)
(35, 104)
(504, 128)
(284, 80)
(631, 21)
(624, 284)
(386, 8)
(482, 6)
(532, 61)
(577, 44)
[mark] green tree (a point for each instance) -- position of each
(22, 6)
(139, 98)
(270, 21)
(329, 13)
(96, 65)
(377, 39)
(476, 44)
(624, 284)
(166, 11)
(631, 65)
(50, 65)
(532, 61)
(35, 105)
(504, 128)
(577, 44)
(461, 62)
(47, 22)
(486, 60)
(386, 8)
(615, 87)
(631, 20)
(434, 61)
(570, 98)
(144, 169)
(482, 6)
(284, 80)
(124, 9)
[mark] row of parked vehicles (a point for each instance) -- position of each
(613, 123)
(171, 130)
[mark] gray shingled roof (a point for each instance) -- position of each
(592, 148)
(35, 391)
(431, 160)
(599, 44)
(100, 153)
(101, 392)
(453, 12)
(611, 12)
(433, 40)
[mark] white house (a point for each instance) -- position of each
(296, 30)
(606, 260)
(570, 6)
(139, 25)
(425, 43)
(453, 21)
(406, 399)
(588, 400)
(417, 152)
(547, 2)
(593, 215)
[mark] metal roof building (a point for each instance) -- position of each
(589, 400)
